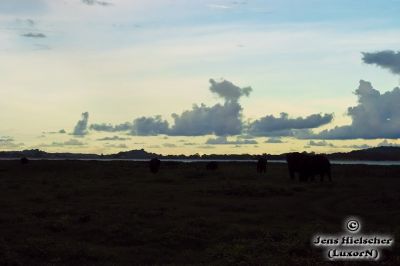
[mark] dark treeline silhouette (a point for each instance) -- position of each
(373, 154)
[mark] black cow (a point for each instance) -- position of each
(212, 166)
(308, 166)
(262, 165)
(154, 165)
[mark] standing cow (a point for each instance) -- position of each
(308, 166)
(154, 165)
(262, 165)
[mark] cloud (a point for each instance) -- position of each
(386, 143)
(322, 143)
(71, 142)
(142, 126)
(113, 138)
(118, 146)
(357, 147)
(220, 119)
(61, 131)
(169, 145)
(385, 59)
(110, 128)
(284, 126)
(223, 140)
(96, 2)
(206, 147)
(149, 126)
(34, 35)
(9, 143)
(274, 140)
(189, 143)
(82, 125)
(376, 116)
(228, 91)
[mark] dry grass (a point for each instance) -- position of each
(118, 213)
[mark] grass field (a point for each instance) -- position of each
(118, 213)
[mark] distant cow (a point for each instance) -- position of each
(212, 166)
(262, 165)
(154, 165)
(308, 166)
(24, 160)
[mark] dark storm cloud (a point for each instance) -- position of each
(96, 2)
(34, 35)
(376, 116)
(385, 59)
(223, 140)
(284, 126)
(82, 125)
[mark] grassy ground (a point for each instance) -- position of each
(117, 213)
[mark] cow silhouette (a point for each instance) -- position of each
(154, 165)
(262, 165)
(307, 166)
(212, 166)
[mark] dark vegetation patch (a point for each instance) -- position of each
(118, 213)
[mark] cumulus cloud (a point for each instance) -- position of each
(149, 126)
(284, 126)
(96, 2)
(223, 140)
(82, 125)
(110, 128)
(228, 91)
(385, 59)
(202, 120)
(34, 35)
(376, 116)
(220, 119)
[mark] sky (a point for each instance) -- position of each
(204, 76)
